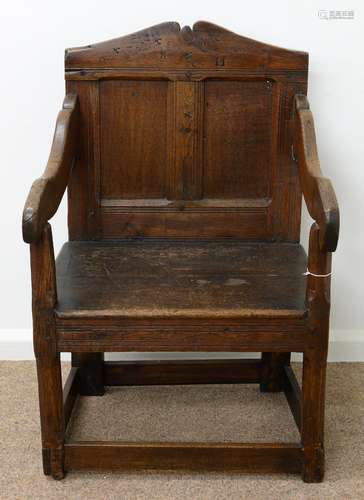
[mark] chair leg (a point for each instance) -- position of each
(90, 373)
(313, 395)
(272, 375)
(51, 414)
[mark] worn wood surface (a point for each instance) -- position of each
(273, 365)
(318, 191)
(315, 359)
(238, 139)
(293, 394)
(186, 133)
(323, 208)
(47, 191)
(185, 169)
(232, 371)
(133, 148)
(179, 279)
(47, 358)
(166, 335)
(90, 373)
(166, 45)
(70, 393)
(253, 458)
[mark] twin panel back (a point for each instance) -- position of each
(185, 133)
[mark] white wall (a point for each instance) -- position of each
(33, 37)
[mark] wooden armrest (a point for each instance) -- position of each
(317, 190)
(47, 191)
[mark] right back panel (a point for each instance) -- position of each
(238, 140)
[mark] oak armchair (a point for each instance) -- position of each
(185, 154)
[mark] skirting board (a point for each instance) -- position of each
(345, 346)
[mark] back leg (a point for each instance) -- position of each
(272, 376)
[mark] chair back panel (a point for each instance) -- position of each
(133, 139)
(185, 133)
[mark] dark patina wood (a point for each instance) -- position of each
(232, 371)
(47, 358)
(175, 279)
(273, 370)
(70, 394)
(89, 373)
(233, 457)
(317, 190)
(293, 394)
(47, 191)
(185, 154)
(191, 83)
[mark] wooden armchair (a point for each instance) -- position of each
(185, 153)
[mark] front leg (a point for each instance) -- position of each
(48, 359)
(315, 359)
(51, 414)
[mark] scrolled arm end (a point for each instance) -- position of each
(29, 226)
(33, 223)
(329, 223)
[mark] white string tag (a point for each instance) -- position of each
(308, 273)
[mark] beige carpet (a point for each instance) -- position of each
(226, 413)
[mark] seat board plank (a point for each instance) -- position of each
(153, 278)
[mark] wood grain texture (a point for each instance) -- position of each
(201, 335)
(184, 223)
(82, 209)
(133, 138)
(318, 191)
(201, 119)
(188, 132)
(293, 394)
(47, 358)
(237, 139)
(70, 393)
(166, 45)
(176, 279)
(315, 360)
(253, 458)
(232, 371)
(89, 373)
(47, 191)
(203, 222)
(273, 369)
